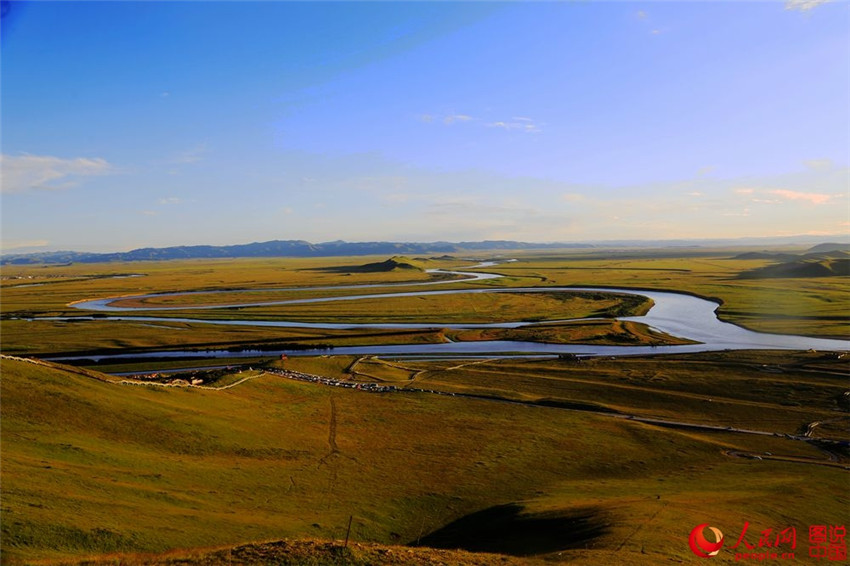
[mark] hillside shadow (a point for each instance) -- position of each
(392, 264)
(505, 529)
(348, 269)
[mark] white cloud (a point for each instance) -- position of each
(191, 155)
(21, 173)
(645, 20)
(518, 123)
(452, 118)
(814, 198)
(523, 124)
(803, 5)
(170, 200)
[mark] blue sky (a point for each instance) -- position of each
(165, 123)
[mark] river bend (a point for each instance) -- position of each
(678, 314)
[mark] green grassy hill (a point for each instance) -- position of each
(94, 467)
(817, 267)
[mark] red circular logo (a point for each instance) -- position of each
(701, 545)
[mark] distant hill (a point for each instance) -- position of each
(302, 248)
(822, 260)
(767, 255)
(823, 267)
(278, 248)
(824, 251)
(393, 264)
(829, 247)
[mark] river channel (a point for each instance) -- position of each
(678, 314)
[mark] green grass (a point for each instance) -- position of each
(772, 391)
(815, 306)
(91, 466)
(488, 307)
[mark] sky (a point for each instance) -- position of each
(136, 124)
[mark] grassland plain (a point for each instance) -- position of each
(91, 466)
(814, 306)
(774, 391)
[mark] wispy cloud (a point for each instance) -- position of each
(645, 20)
(819, 164)
(10, 245)
(22, 173)
(573, 197)
(191, 155)
(452, 118)
(517, 123)
(446, 119)
(397, 198)
(170, 200)
(803, 5)
(814, 198)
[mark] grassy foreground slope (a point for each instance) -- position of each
(91, 466)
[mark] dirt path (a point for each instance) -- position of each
(332, 429)
(794, 459)
(51, 365)
(189, 385)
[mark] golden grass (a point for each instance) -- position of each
(92, 467)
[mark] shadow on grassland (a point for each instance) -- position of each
(505, 529)
(392, 264)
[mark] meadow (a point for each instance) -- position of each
(594, 461)
(92, 466)
(814, 306)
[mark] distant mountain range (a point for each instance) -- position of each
(301, 248)
(278, 248)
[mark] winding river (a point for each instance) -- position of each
(678, 314)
